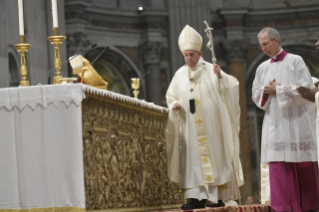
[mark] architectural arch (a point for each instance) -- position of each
(117, 69)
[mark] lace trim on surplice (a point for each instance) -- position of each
(292, 146)
(287, 95)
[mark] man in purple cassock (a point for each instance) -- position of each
(288, 134)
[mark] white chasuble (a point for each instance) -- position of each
(203, 147)
(200, 130)
(288, 132)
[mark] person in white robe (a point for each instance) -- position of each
(288, 133)
(310, 95)
(203, 127)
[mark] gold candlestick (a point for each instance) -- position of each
(56, 40)
(135, 85)
(23, 48)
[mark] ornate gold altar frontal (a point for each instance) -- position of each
(125, 164)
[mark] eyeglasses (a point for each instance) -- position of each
(264, 45)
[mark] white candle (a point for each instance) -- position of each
(21, 22)
(55, 13)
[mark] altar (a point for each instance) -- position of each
(125, 154)
(78, 148)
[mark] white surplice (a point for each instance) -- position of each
(203, 147)
(288, 132)
(265, 184)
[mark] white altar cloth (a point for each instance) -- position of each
(41, 151)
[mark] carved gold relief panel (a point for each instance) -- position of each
(125, 156)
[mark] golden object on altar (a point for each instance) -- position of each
(67, 80)
(56, 40)
(124, 154)
(135, 82)
(89, 76)
(23, 47)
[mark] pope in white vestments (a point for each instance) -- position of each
(203, 128)
(288, 132)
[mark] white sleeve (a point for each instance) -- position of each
(287, 95)
(258, 91)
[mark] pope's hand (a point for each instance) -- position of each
(176, 106)
(217, 71)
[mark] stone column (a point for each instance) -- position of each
(236, 48)
(152, 56)
(236, 52)
(192, 13)
(4, 68)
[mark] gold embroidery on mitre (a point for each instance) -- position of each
(205, 160)
(222, 187)
(196, 102)
(209, 178)
(199, 121)
(196, 83)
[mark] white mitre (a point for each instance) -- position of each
(189, 39)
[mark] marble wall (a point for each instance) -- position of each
(38, 26)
